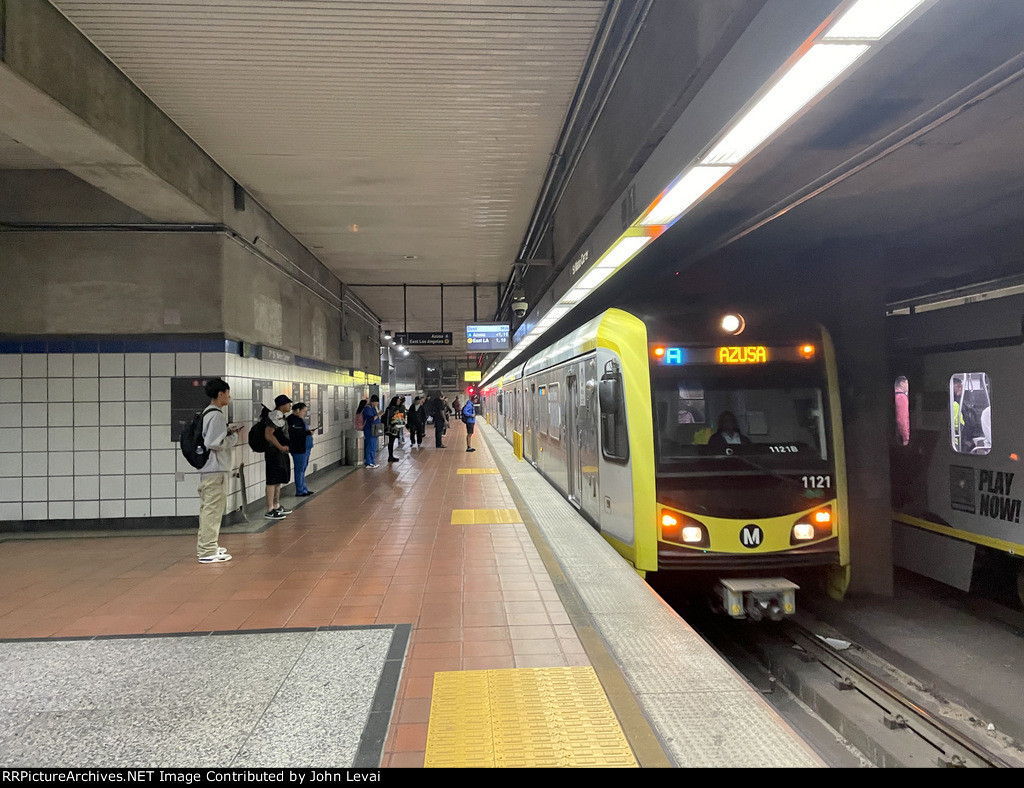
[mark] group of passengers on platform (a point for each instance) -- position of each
(396, 418)
(285, 434)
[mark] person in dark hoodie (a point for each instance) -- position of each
(417, 418)
(300, 444)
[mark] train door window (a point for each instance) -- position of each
(970, 412)
(541, 414)
(554, 418)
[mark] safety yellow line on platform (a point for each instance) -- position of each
(465, 471)
(485, 516)
(523, 717)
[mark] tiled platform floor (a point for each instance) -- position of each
(377, 547)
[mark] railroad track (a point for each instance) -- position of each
(900, 714)
(883, 723)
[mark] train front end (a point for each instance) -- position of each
(750, 473)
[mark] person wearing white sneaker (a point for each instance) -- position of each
(219, 440)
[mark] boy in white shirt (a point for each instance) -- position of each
(220, 440)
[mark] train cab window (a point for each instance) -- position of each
(738, 419)
(970, 413)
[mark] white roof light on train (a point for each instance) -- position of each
(869, 20)
(733, 324)
(681, 195)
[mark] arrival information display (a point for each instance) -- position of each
(484, 337)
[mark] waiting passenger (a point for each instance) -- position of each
(469, 416)
(219, 439)
(300, 443)
(728, 433)
(417, 419)
(394, 423)
(278, 466)
(370, 418)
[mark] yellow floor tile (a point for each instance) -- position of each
(523, 717)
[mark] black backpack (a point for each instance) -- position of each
(191, 440)
(257, 434)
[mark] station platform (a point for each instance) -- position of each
(450, 609)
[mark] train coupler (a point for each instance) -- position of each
(758, 599)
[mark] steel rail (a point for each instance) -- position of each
(909, 714)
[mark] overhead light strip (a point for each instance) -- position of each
(833, 53)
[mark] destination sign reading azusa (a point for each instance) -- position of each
(424, 338)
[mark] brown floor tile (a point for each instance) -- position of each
(427, 650)
(489, 663)
(550, 646)
(414, 711)
(489, 648)
(406, 760)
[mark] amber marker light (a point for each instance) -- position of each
(659, 351)
(1014, 457)
(823, 517)
(668, 520)
(807, 351)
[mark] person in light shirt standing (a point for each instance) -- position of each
(220, 440)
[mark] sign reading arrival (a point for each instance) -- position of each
(424, 338)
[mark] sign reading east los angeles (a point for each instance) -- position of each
(424, 338)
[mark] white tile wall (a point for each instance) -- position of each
(86, 435)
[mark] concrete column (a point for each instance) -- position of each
(857, 323)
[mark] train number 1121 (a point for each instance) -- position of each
(816, 482)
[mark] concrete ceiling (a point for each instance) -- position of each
(399, 140)
(914, 160)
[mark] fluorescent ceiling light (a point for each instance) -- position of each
(871, 19)
(808, 77)
(684, 193)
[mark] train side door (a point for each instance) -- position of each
(572, 439)
(530, 442)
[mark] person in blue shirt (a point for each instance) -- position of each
(469, 416)
(371, 416)
(300, 444)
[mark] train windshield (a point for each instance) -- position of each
(742, 421)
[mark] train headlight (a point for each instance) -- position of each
(693, 533)
(683, 529)
(803, 532)
(811, 526)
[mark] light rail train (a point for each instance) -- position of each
(959, 481)
(711, 456)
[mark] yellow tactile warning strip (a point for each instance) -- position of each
(523, 717)
(485, 516)
(476, 470)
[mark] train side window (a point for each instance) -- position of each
(970, 412)
(612, 399)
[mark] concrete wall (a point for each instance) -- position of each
(110, 283)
